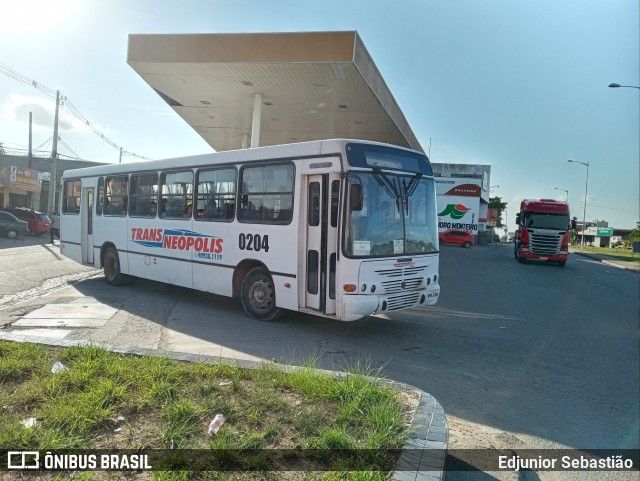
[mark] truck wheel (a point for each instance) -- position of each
(258, 296)
(112, 268)
(562, 263)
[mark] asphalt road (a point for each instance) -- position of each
(528, 354)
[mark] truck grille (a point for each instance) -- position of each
(545, 244)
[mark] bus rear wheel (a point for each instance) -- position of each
(258, 295)
(112, 268)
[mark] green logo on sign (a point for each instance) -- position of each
(456, 211)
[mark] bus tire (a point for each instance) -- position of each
(562, 263)
(258, 296)
(112, 268)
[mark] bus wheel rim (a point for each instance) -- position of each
(261, 295)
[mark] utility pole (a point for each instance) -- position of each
(30, 147)
(29, 193)
(54, 158)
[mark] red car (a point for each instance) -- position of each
(456, 237)
(39, 223)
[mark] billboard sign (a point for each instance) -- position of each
(458, 187)
(459, 213)
(20, 178)
(600, 231)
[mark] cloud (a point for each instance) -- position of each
(17, 108)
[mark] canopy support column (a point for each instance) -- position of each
(255, 126)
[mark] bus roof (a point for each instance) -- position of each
(286, 151)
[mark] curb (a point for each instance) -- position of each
(620, 266)
(424, 454)
(626, 265)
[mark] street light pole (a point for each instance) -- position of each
(617, 86)
(564, 190)
(584, 212)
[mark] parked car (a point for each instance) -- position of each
(456, 237)
(495, 238)
(11, 226)
(39, 223)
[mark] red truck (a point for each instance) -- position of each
(543, 231)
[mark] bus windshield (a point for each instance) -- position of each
(390, 215)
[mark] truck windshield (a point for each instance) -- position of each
(390, 215)
(546, 221)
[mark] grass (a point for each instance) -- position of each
(619, 254)
(105, 400)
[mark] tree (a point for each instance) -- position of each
(634, 235)
(496, 203)
(2, 151)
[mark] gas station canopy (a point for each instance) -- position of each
(243, 90)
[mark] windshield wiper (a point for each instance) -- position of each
(388, 186)
(413, 184)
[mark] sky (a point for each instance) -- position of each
(520, 85)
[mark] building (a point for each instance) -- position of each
(462, 194)
(25, 183)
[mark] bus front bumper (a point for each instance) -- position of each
(357, 306)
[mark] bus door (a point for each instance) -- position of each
(86, 213)
(322, 242)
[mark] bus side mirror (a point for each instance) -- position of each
(573, 224)
(355, 197)
(518, 219)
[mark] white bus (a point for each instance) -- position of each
(336, 228)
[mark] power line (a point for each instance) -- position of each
(11, 73)
(46, 142)
(70, 149)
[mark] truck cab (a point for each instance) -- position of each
(543, 229)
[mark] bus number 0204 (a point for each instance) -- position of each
(253, 242)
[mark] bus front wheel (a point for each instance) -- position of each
(258, 295)
(112, 268)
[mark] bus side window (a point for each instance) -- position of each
(71, 201)
(215, 193)
(117, 198)
(177, 188)
(144, 192)
(266, 194)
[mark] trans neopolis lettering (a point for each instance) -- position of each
(181, 240)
